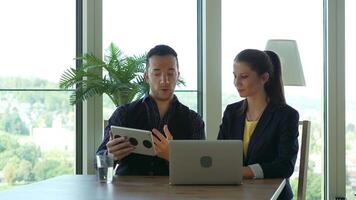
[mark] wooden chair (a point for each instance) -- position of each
(303, 160)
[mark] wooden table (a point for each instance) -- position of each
(86, 187)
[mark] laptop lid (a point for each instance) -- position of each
(205, 162)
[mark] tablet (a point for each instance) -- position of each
(141, 139)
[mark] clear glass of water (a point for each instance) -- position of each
(105, 164)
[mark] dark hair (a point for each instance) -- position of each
(262, 62)
(161, 50)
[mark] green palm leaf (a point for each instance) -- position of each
(122, 78)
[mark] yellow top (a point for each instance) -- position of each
(248, 131)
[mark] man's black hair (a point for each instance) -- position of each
(161, 50)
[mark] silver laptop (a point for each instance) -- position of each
(205, 162)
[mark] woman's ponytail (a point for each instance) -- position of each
(274, 87)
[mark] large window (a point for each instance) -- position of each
(350, 43)
(37, 124)
(135, 26)
(245, 25)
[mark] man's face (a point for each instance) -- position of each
(162, 75)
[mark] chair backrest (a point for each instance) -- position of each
(106, 122)
(304, 156)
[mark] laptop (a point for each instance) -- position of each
(205, 162)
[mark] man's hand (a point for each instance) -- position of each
(119, 147)
(161, 142)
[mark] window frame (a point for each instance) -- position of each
(334, 84)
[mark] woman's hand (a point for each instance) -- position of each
(161, 142)
(247, 173)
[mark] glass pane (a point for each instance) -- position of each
(136, 26)
(350, 43)
(108, 107)
(37, 137)
(136, 29)
(37, 40)
(189, 99)
(245, 25)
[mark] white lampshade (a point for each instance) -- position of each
(287, 50)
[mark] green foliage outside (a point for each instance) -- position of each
(11, 122)
(21, 161)
(313, 184)
(20, 110)
(52, 164)
(350, 152)
(25, 163)
(16, 82)
(314, 180)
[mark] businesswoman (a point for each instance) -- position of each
(264, 122)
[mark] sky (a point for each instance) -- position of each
(37, 38)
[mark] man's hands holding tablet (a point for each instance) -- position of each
(124, 141)
(161, 142)
(119, 147)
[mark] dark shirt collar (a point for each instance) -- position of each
(153, 113)
(148, 99)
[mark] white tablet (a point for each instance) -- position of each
(141, 139)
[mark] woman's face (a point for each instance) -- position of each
(247, 82)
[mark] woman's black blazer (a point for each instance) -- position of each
(274, 143)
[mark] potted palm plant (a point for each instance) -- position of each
(122, 79)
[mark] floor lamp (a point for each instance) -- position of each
(287, 50)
